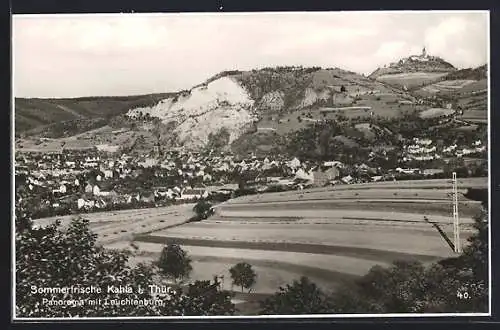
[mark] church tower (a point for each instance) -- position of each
(157, 147)
(424, 52)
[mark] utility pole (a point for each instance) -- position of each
(456, 223)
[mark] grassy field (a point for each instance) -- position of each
(422, 241)
(448, 87)
(276, 267)
(101, 136)
(123, 225)
(436, 112)
(337, 193)
(392, 192)
(412, 79)
(409, 211)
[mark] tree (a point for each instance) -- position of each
(301, 297)
(243, 275)
(174, 262)
(203, 210)
(397, 289)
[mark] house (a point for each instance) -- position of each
(111, 193)
(192, 194)
(347, 179)
(481, 149)
(100, 203)
(147, 197)
(450, 148)
(96, 190)
(283, 182)
(80, 203)
(169, 193)
(61, 189)
(333, 163)
(83, 203)
(149, 162)
(128, 198)
(301, 174)
(294, 163)
(423, 142)
(89, 188)
(108, 174)
(408, 170)
(432, 171)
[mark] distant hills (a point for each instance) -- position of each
(247, 104)
(35, 112)
(478, 73)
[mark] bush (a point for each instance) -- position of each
(209, 300)
(300, 297)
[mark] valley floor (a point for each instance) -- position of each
(329, 235)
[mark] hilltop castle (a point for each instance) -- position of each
(423, 57)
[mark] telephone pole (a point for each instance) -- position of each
(456, 222)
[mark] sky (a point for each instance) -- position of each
(130, 54)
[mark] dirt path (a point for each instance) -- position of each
(71, 111)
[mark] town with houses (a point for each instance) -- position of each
(75, 181)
